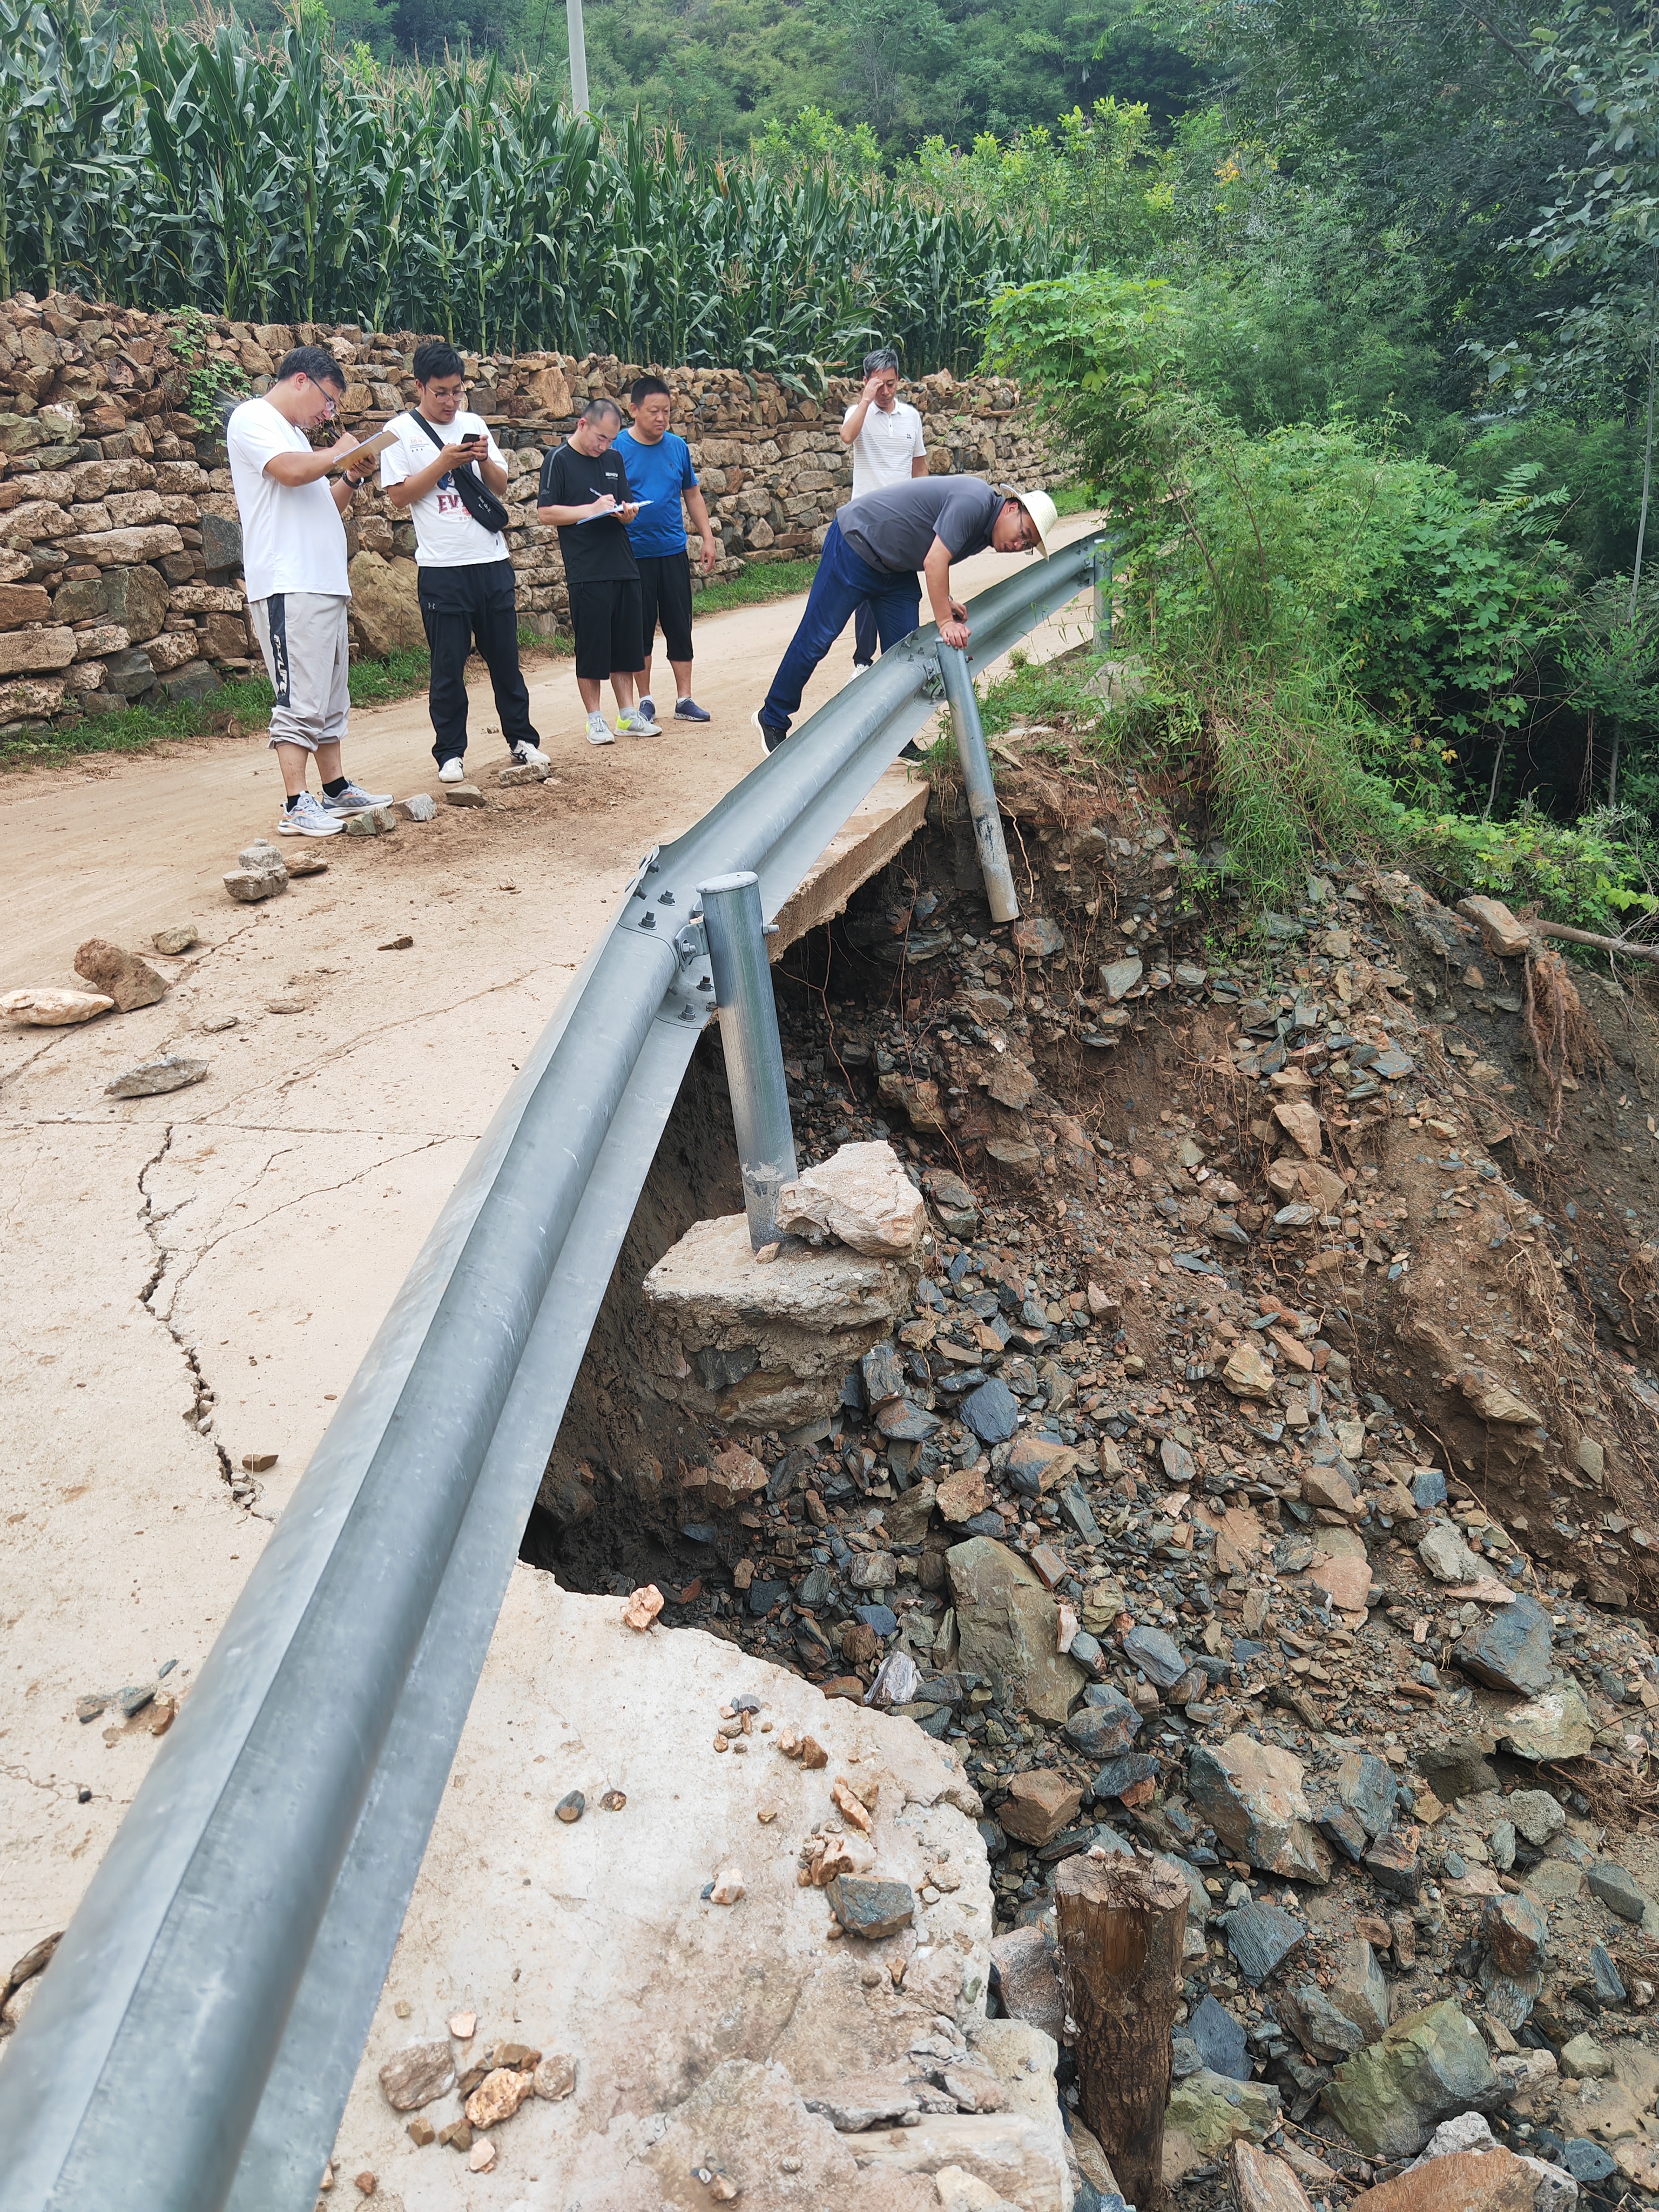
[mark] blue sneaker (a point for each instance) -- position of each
(687, 710)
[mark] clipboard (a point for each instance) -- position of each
(376, 446)
(611, 513)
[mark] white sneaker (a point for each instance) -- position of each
(353, 800)
(632, 724)
(453, 771)
(599, 731)
(529, 755)
(309, 818)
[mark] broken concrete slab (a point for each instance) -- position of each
(765, 1346)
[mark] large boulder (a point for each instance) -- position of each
(1252, 1794)
(1008, 1627)
(1510, 1649)
(385, 605)
(1554, 1727)
(861, 1198)
(1391, 2096)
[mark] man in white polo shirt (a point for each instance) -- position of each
(293, 567)
(463, 569)
(885, 432)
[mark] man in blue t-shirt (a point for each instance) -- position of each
(660, 475)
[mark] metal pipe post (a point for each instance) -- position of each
(573, 10)
(1100, 574)
(754, 1056)
(981, 791)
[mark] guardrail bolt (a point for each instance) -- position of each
(754, 1053)
(981, 791)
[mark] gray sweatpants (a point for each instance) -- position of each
(303, 636)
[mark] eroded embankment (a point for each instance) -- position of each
(1271, 1427)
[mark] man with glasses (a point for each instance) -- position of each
(872, 553)
(294, 565)
(884, 434)
(586, 496)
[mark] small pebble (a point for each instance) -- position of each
(571, 1807)
(482, 2157)
(367, 2183)
(463, 2026)
(613, 1800)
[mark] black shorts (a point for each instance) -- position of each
(605, 617)
(666, 598)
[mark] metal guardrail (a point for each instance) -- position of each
(194, 2041)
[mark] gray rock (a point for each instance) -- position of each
(1252, 1794)
(523, 772)
(884, 1376)
(463, 794)
(1457, 1769)
(1212, 2110)
(1158, 1656)
(178, 939)
(1366, 1786)
(1536, 1815)
(1587, 2161)
(1617, 1889)
(861, 2100)
(1447, 1557)
(1552, 1728)
(1177, 1462)
(1501, 1844)
(1118, 977)
(1259, 1937)
(992, 1411)
(418, 2074)
(1516, 1932)
(1428, 1488)
(1220, 2040)
(1391, 2096)
(1008, 1628)
(1076, 1510)
(1344, 1828)
(423, 807)
(1025, 1971)
(170, 1072)
(1511, 1649)
(868, 1906)
(1609, 1982)
(1393, 1864)
(1105, 1729)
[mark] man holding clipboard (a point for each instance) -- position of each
(440, 462)
(294, 566)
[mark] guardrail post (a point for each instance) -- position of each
(1101, 577)
(754, 1055)
(981, 791)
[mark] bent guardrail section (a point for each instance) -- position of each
(194, 2042)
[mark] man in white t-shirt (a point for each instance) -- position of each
(466, 573)
(294, 565)
(885, 432)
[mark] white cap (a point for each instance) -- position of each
(1041, 509)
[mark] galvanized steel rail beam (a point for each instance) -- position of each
(194, 2042)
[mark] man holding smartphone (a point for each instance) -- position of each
(885, 436)
(586, 496)
(466, 573)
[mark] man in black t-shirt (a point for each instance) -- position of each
(585, 495)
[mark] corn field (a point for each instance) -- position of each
(286, 183)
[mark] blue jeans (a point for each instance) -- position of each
(843, 584)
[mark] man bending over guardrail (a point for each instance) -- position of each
(872, 553)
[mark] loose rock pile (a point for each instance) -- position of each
(1167, 1499)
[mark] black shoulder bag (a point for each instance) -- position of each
(476, 496)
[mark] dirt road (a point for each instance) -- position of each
(189, 1279)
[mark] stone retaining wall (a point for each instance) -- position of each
(119, 546)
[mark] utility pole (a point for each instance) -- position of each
(573, 10)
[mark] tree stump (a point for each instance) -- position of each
(1122, 1925)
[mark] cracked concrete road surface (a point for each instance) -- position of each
(189, 1279)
